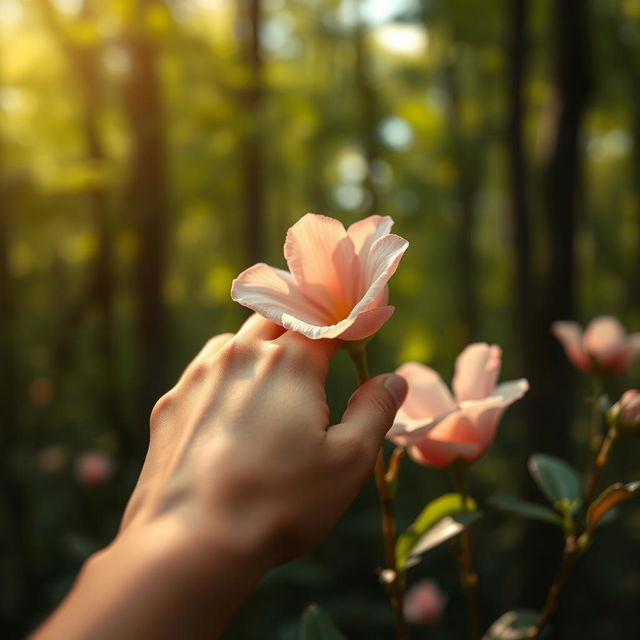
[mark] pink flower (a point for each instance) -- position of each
(424, 603)
(604, 347)
(438, 429)
(93, 468)
(336, 286)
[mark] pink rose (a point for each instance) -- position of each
(605, 346)
(93, 468)
(336, 286)
(438, 428)
(424, 603)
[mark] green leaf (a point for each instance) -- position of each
(557, 480)
(316, 625)
(513, 625)
(525, 508)
(448, 527)
(609, 498)
(446, 506)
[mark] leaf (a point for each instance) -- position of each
(448, 504)
(557, 480)
(316, 625)
(513, 625)
(525, 508)
(448, 527)
(609, 498)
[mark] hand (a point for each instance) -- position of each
(243, 472)
(244, 439)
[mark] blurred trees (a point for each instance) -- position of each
(150, 150)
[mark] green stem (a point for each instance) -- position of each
(358, 354)
(595, 436)
(468, 577)
(599, 463)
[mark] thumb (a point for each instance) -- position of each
(372, 409)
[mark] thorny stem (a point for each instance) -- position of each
(468, 577)
(357, 351)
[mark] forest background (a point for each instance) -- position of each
(149, 151)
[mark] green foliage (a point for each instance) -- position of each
(607, 500)
(513, 625)
(440, 520)
(525, 508)
(316, 625)
(557, 480)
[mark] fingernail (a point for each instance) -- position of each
(397, 387)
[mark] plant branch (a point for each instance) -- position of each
(357, 351)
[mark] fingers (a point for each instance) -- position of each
(370, 413)
(260, 328)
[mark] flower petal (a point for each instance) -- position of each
(273, 293)
(365, 232)
(322, 260)
(485, 414)
(367, 323)
(476, 371)
(452, 438)
(428, 396)
(605, 340)
(570, 336)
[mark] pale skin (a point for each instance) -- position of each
(243, 473)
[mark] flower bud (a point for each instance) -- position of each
(626, 412)
(424, 603)
(93, 468)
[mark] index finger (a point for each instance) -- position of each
(314, 352)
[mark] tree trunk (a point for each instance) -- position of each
(368, 109)
(466, 192)
(252, 153)
(85, 61)
(552, 378)
(147, 196)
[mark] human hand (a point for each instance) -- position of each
(241, 447)
(243, 472)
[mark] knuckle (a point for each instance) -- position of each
(162, 408)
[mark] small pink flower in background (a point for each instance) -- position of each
(437, 428)
(424, 603)
(93, 468)
(604, 346)
(336, 286)
(627, 409)
(51, 459)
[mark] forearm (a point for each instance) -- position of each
(159, 581)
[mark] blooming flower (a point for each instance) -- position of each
(336, 286)
(438, 428)
(93, 468)
(424, 603)
(605, 346)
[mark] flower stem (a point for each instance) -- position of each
(573, 550)
(599, 463)
(595, 436)
(357, 351)
(569, 557)
(468, 577)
